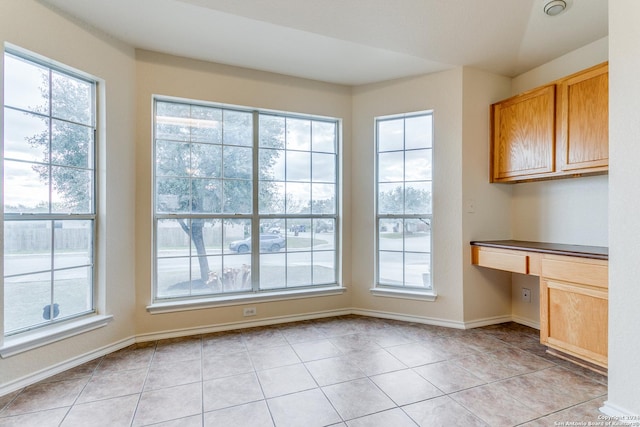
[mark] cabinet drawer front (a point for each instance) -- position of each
(594, 274)
(516, 263)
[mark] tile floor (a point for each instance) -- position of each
(345, 371)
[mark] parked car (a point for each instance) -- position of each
(268, 242)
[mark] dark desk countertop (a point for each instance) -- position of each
(594, 252)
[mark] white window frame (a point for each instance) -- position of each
(404, 291)
(35, 336)
(180, 303)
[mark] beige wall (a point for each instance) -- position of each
(166, 75)
(29, 25)
(624, 226)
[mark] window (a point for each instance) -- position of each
(404, 208)
(245, 201)
(49, 194)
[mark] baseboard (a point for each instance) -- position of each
(240, 325)
(409, 318)
(618, 415)
(527, 322)
(43, 374)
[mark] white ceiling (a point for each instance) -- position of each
(350, 41)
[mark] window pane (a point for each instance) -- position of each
(206, 160)
(272, 271)
(172, 238)
(418, 235)
(390, 135)
(72, 190)
(237, 127)
(173, 277)
(298, 134)
(324, 137)
(391, 167)
(418, 132)
(324, 267)
(391, 268)
(298, 166)
(324, 198)
(271, 197)
(72, 292)
(418, 198)
(272, 131)
(71, 145)
(418, 165)
(298, 269)
(27, 247)
(299, 235)
(173, 195)
(238, 197)
(206, 124)
(390, 198)
(71, 99)
(390, 235)
(25, 298)
(26, 136)
(173, 121)
(237, 162)
(172, 158)
(26, 85)
(324, 234)
(324, 167)
(206, 195)
(272, 165)
(416, 270)
(298, 198)
(73, 244)
(26, 187)
(237, 235)
(236, 273)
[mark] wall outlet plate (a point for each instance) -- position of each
(526, 295)
(249, 311)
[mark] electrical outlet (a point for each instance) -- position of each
(526, 295)
(249, 311)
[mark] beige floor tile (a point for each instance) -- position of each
(295, 334)
(307, 408)
(224, 365)
(82, 371)
(357, 398)
(393, 417)
(45, 396)
(404, 387)
(113, 385)
(355, 342)
(502, 364)
(8, 398)
(230, 391)
(315, 350)
(48, 418)
(261, 338)
(222, 343)
(334, 370)
(133, 357)
(416, 354)
(448, 376)
(442, 412)
(377, 362)
(285, 380)
(169, 374)
(192, 421)
(114, 412)
(273, 357)
(582, 414)
(254, 414)
(178, 349)
(169, 404)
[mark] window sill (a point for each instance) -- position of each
(230, 300)
(404, 294)
(17, 344)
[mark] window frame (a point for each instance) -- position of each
(187, 302)
(51, 330)
(401, 290)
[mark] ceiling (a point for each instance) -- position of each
(350, 42)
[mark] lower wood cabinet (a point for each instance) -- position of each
(574, 307)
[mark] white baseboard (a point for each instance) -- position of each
(240, 325)
(409, 318)
(527, 322)
(619, 416)
(35, 377)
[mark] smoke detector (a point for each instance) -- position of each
(555, 7)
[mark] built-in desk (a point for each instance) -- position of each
(573, 293)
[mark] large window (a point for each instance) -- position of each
(245, 201)
(49, 193)
(404, 194)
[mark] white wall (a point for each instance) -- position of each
(624, 203)
(180, 77)
(29, 25)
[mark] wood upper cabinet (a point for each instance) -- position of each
(583, 137)
(557, 130)
(523, 135)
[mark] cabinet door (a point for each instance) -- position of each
(584, 121)
(523, 135)
(574, 320)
